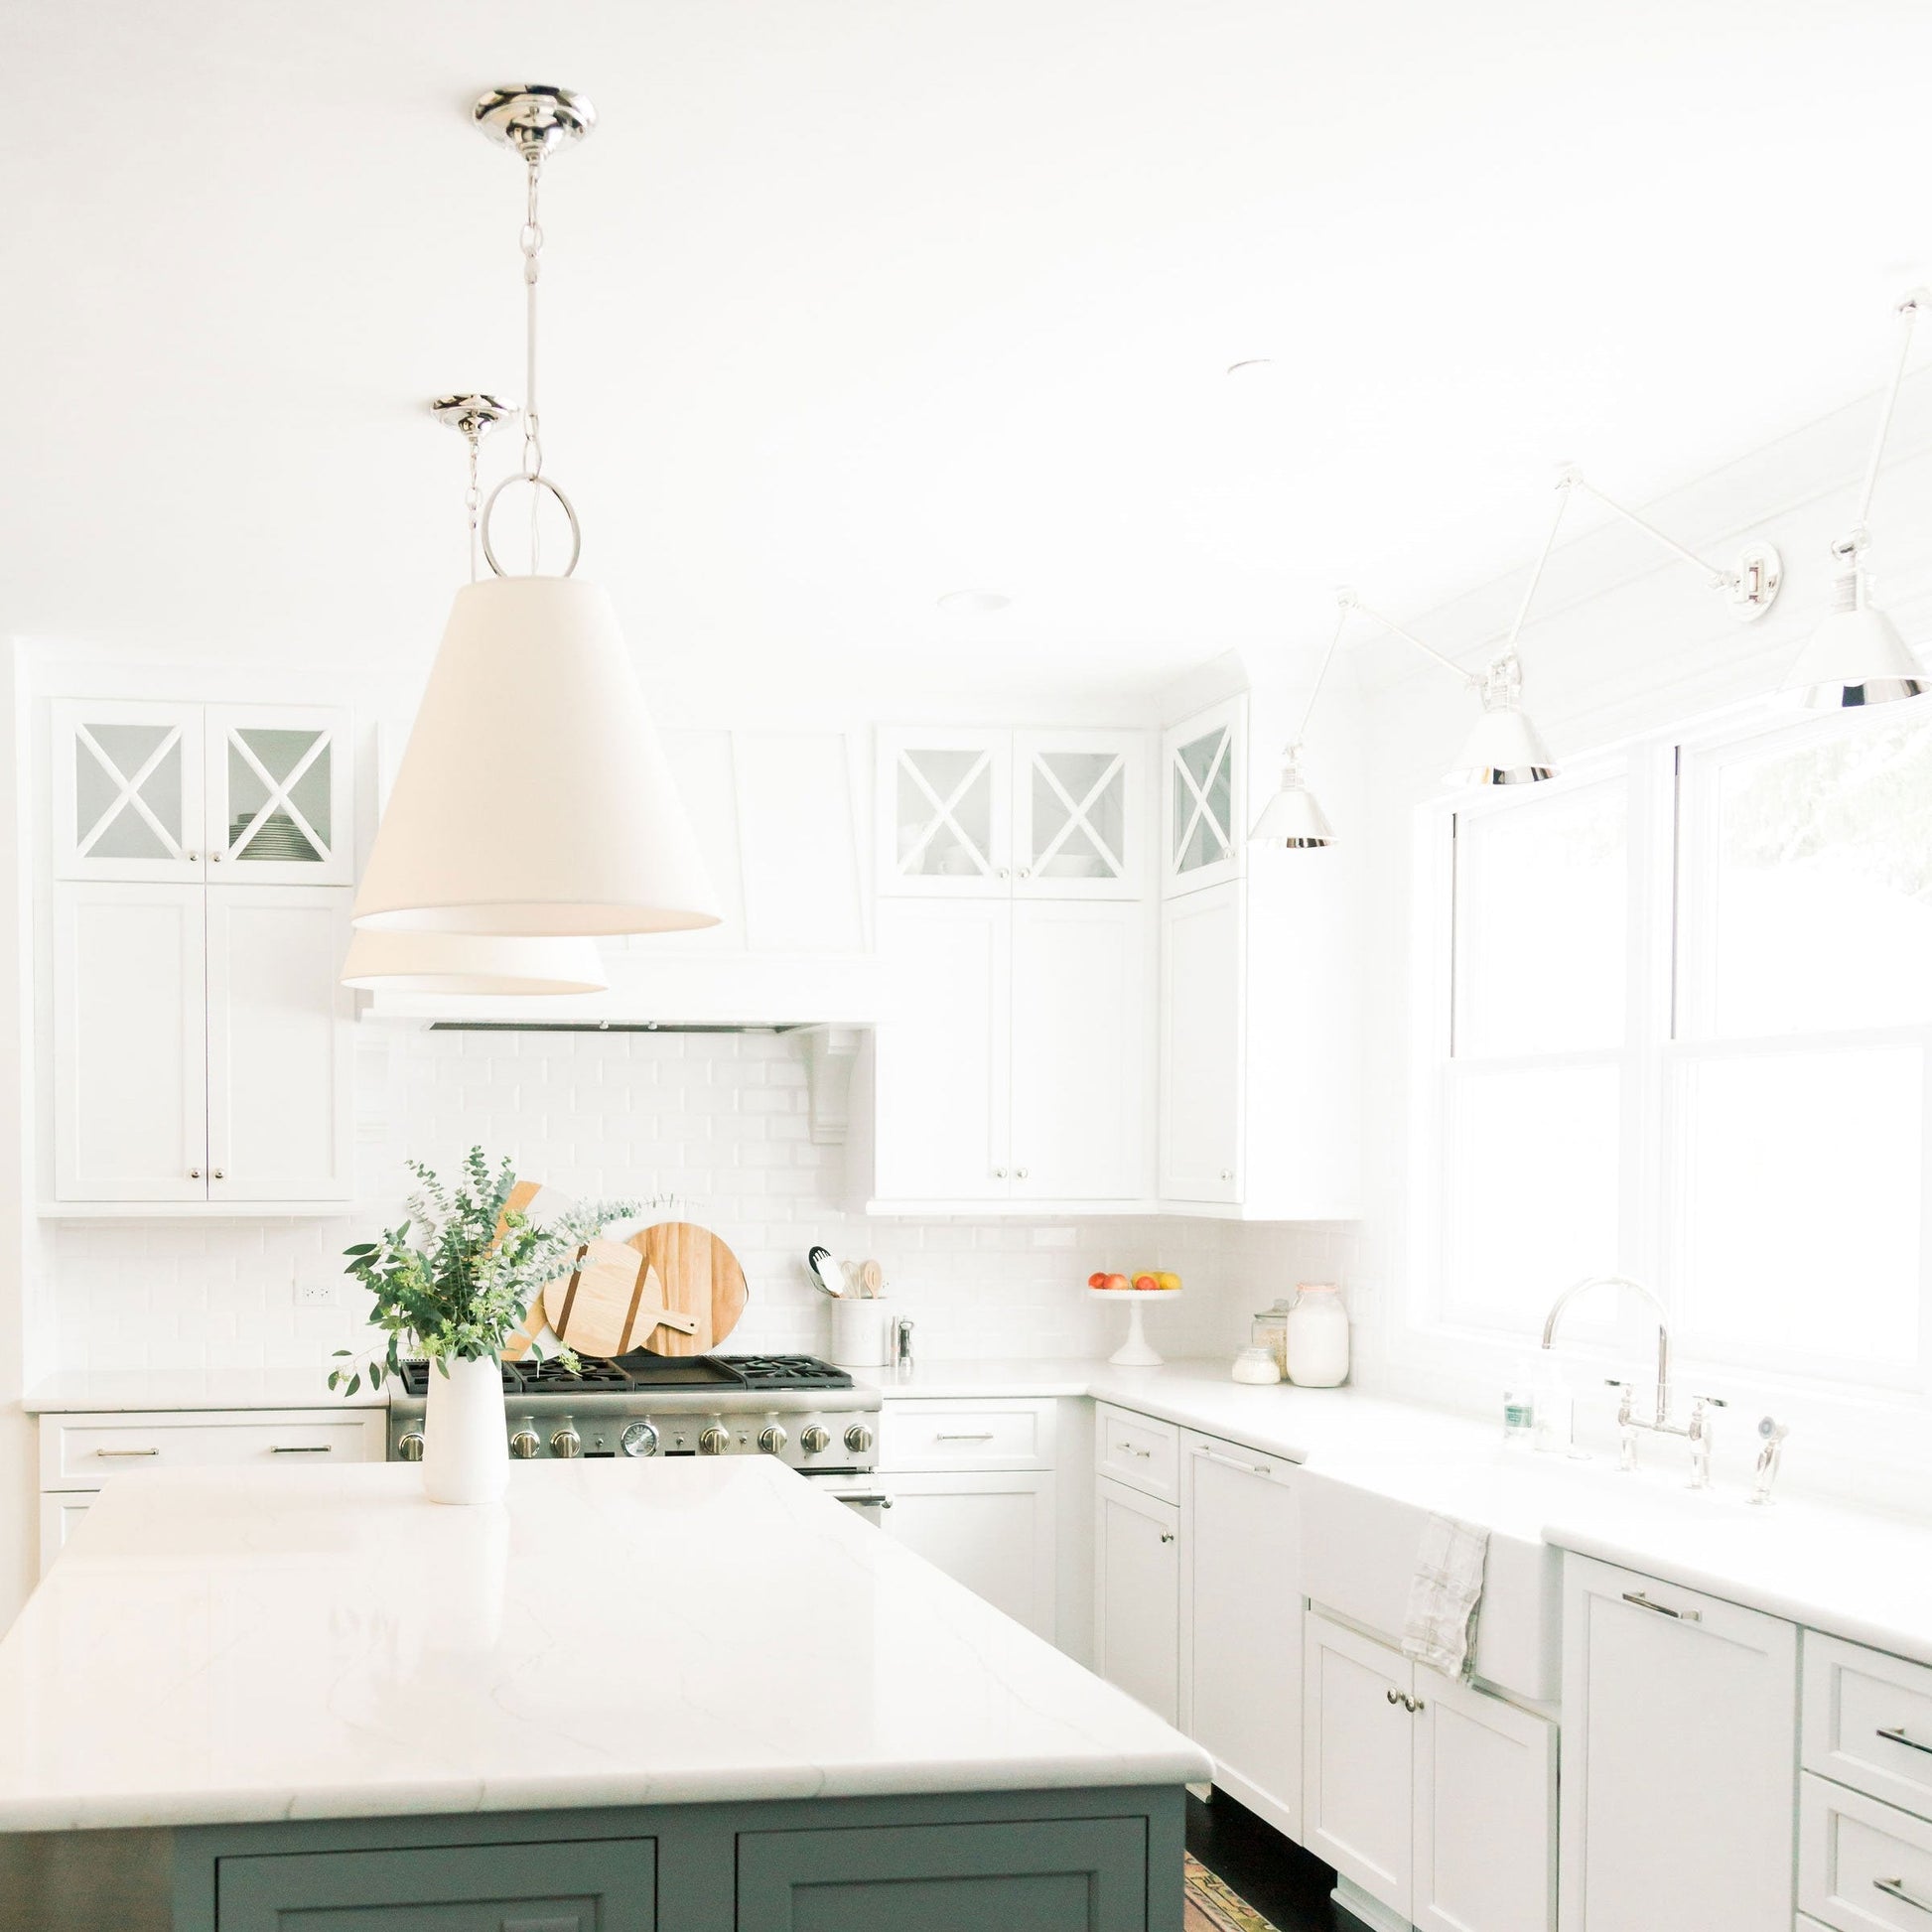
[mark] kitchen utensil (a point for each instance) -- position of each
(701, 1278)
(611, 1301)
(826, 1273)
(872, 1278)
(1136, 1352)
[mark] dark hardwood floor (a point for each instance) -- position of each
(1278, 1878)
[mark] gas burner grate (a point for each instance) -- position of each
(788, 1372)
(640, 1372)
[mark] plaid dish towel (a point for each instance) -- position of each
(1444, 1598)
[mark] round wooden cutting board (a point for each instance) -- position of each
(701, 1278)
(609, 1301)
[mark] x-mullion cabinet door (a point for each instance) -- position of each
(944, 814)
(130, 1092)
(1203, 799)
(1078, 798)
(127, 791)
(279, 798)
(279, 1047)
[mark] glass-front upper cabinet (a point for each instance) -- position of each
(278, 794)
(172, 791)
(1077, 814)
(944, 812)
(1203, 799)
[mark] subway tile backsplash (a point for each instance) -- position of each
(720, 1121)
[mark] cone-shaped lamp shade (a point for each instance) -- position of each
(533, 798)
(1292, 818)
(1855, 656)
(1504, 748)
(468, 962)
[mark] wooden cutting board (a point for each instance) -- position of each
(611, 1301)
(701, 1278)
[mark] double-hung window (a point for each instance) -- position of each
(1684, 1031)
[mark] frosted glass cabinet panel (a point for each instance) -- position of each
(1204, 802)
(127, 791)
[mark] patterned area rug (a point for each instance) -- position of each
(1213, 1906)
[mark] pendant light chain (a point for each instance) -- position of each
(530, 242)
(473, 497)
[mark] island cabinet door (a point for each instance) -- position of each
(591, 1886)
(1077, 1874)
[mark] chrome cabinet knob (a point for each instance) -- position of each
(215, 1174)
(566, 1441)
(525, 1444)
(410, 1447)
(773, 1438)
(640, 1439)
(194, 1174)
(815, 1440)
(1020, 1173)
(713, 1441)
(858, 1439)
(999, 1173)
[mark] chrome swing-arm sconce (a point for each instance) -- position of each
(1855, 656)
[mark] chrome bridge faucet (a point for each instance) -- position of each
(1696, 1431)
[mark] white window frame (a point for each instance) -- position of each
(1660, 1042)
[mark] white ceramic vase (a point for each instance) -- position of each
(466, 1442)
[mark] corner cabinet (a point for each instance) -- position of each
(201, 1053)
(1203, 799)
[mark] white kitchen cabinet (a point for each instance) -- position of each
(1010, 1062)
(200, 1050)
(1679, 1755)
(130, 1061)
(60, 1515)
(280, 1073)
(992, 1530)
(1049, 814)
(1436, 1799)
(171, 793)
(1137, 1594)
(1201, 1068)
(1241, 1623)
(1203, 799)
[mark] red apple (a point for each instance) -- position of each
(1146, 1281)
(1115, 1282)
(1097, 1280)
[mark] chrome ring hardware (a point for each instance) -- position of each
(538, 483)
(1643, 1602)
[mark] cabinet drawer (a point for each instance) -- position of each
(1142, 1454)
(917, 1436)
(82, 1452)
(1862, 1867)
(1867, 1721)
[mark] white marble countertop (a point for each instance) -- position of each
(1853, 1573)
(80, 1391)
(224, 1645)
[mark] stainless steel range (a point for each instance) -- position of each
(795, 1407)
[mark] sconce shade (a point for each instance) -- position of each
(1855, 656)
(1504, 748)
(1292, 818)
(533, 799)
(468, 962)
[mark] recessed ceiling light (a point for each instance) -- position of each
(1252, 365)
(977, 603)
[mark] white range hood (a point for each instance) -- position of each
(777, 818)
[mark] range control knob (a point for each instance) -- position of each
(640, 1439)
(713, 1441)
(773, 1438)
(525, 1443)
(858, 1439)
(566, 1441)
(813, 1441)
(410, 1447)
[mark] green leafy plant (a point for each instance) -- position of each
(459, 1288)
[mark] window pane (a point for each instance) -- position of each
(1802, 1212)
(1541, 892)
(1824, 884)
(1531, 1179)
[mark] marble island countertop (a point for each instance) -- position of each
(224, 1645)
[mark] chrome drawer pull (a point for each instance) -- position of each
(1232, 1461)
(862, 1502)
(964, 1435)
(1896, 1736)
(1141, 1453)
(300, 1449)
(1643, 1602)
(1895, 1889)
(145, 1451)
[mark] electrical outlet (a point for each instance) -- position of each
(315, 1294)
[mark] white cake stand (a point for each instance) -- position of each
(1135, 1351)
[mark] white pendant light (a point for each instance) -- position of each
(1292, 820)
(533, 798)
(1855, 656)
(465, 962)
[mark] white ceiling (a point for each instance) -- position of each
(854, 302)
